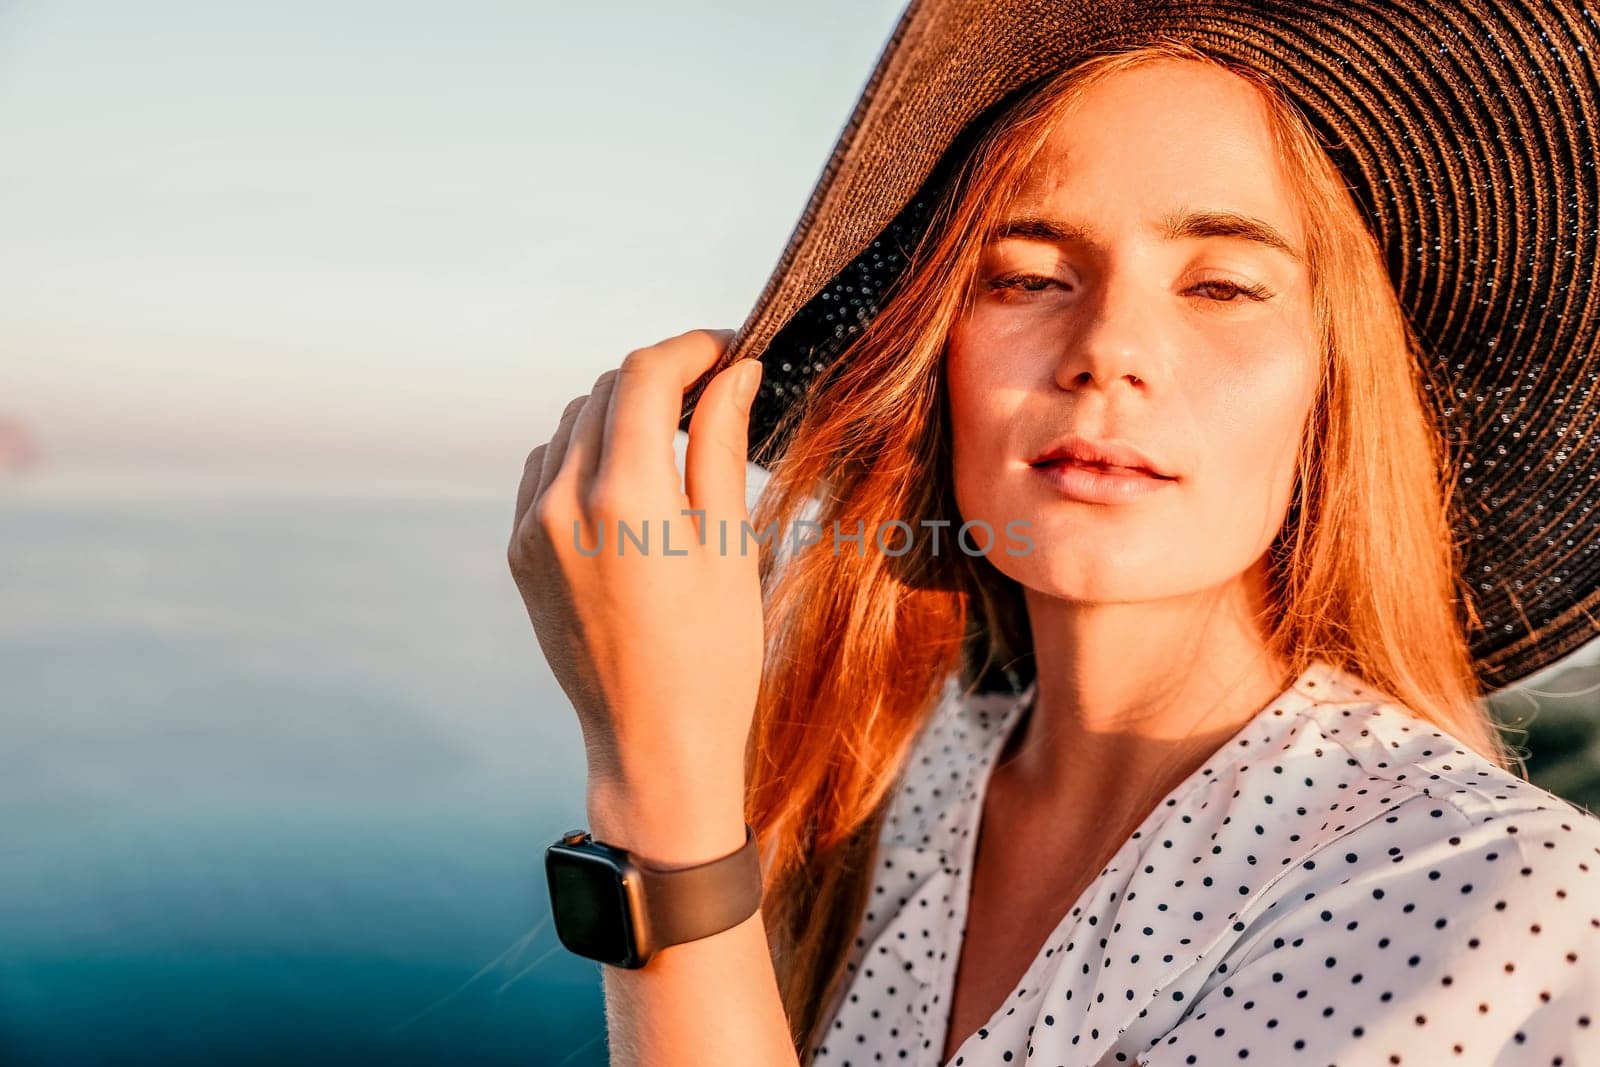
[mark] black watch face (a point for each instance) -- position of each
(591, 912)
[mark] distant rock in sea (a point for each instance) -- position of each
(18, 452)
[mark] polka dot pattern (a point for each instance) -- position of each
(1339, 883)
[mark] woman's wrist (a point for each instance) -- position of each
(666, 827)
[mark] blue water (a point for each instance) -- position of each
(276, 778)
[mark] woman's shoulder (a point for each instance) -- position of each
(1417, 880)
(1407, 791)
(1463, 929)
(1397, 756)
(1413, 817)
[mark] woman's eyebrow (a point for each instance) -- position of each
(1176, 226)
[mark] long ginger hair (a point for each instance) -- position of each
(1364, 572)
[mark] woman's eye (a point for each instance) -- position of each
(1027, 283)
(1231, 291)
(1220, 291)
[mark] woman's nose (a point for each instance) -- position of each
(1115, 339)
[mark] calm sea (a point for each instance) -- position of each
(276, 778)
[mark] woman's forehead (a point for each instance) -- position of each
(1154, 148)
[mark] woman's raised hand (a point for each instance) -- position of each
(650, 618)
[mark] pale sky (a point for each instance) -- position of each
(371, 238)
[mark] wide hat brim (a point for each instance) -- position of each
(1466, 130)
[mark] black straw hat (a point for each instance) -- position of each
(1467, 131)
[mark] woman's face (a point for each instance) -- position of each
(1140, 298)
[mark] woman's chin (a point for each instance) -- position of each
(1090, 578)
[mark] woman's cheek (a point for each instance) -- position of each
(982, 396)
(1259, 418)
(979, 460)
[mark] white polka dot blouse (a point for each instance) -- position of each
(1339, 883)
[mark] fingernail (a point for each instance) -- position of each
(749, 380)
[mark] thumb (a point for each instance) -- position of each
(719, 436)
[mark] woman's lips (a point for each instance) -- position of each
(1093, 483)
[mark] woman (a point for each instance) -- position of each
(1247, 806)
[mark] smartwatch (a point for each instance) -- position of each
(613, 907)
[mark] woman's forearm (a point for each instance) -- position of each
(711, 1000)
(661, 653)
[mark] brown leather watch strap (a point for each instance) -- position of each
(694, 902)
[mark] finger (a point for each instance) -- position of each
(648, 402)
(719, 435)
(587, 438)
(556, 454)
(529, 485)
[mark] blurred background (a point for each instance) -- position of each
(292, 291)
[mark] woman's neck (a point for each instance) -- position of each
(1131, 698)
